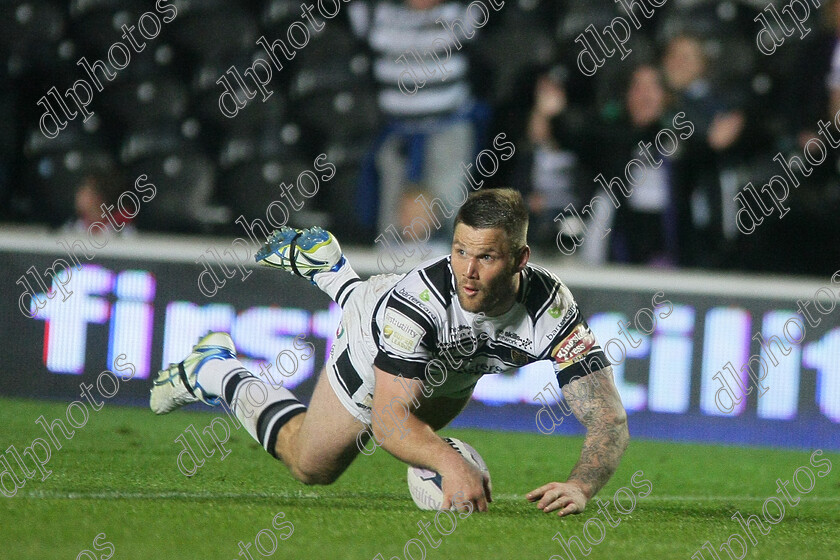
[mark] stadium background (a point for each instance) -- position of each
(160, 110)
(140, 299)
(160, 117)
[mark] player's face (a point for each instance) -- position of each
(486, 270)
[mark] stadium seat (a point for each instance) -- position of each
(10, 99)
(281, 143)
(163, 139)
(733, 60)
(580, 14)
(704, 18)
(185, 184)
(75, 137)
(344, 114)
(52, 179)
(214, 29)
(320, 69)
(249, 187)
(205, 94)
(140, 104)
(502, 52)
(95, 26)
(29, 35)
(26, 24)
(276, 15)
(161, 58)
(542, 15)
(340, 192)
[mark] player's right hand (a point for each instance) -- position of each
(473, 486)
(566, 497)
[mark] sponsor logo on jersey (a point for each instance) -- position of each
(454, 331)
(518, 357)
(417, 301)
(424, 295)
(570, 312)
(514, 339)
(481, 369)
(574, 346)
(460, 345)
(458, 340)
(400, 332)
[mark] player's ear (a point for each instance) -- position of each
(522, 258)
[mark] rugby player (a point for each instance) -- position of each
(482, 309)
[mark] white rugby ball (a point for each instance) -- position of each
(425, 485)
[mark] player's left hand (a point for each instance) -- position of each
(565, 496)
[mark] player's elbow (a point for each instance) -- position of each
(615, 425)
(621, 431)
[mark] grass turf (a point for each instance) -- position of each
(118, 476)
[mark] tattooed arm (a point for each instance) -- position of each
(595, 402)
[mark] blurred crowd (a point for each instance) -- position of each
(401, 104)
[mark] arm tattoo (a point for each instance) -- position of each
(595, 402)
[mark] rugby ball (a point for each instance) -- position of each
(425, 485)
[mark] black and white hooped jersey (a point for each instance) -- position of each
(419, 328)
(407, 44)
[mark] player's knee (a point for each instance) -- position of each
(314, 477)
(312, 473)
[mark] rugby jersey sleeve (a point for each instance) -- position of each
(569, 343)
(405, 336)
(575, 352)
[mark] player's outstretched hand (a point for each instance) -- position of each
(471, 482)
(563, 496)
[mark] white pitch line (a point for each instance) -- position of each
(731, 498)
(506, 497)
(311, 495)
(157, 495)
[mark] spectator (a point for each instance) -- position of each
(816, 73)
(98, 189)
(645, 226)
(717, 131)
(425, 95)
(549, 171)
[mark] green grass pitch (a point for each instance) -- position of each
(118, 476)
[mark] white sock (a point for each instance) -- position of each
(261, 407)
(339, 284)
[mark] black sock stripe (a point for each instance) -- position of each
(278, 425)
(268, 413)
(182, 373)
(292, 256)
(279, 417)
(231, 384)
(349, 283)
